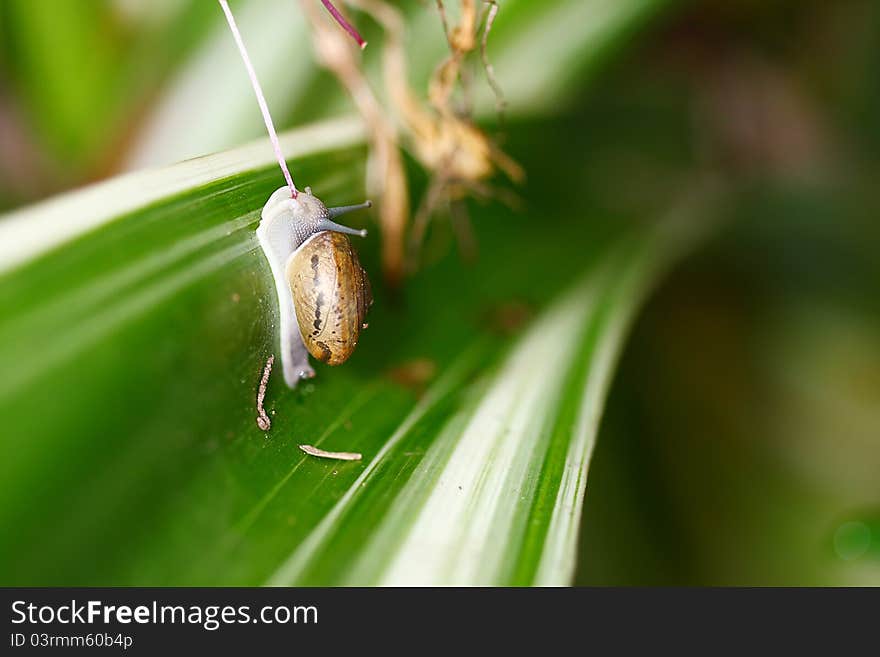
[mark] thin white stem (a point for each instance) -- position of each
(261, 100)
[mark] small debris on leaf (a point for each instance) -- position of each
(263, 420)
(507, 318)
(414, 374)
(340, 456)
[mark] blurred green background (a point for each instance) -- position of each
(741, 440)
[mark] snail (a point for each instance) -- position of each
(323, 292)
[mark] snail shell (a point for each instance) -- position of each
(331, 295)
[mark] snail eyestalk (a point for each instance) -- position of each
(343, 209)
(261, 100)
(326, 224)
(344, 24)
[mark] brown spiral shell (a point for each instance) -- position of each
(331, 295)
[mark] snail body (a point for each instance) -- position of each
(323, 292)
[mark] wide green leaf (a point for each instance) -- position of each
(138, 315)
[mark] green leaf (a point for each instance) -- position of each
(142, 313)
(79, 69)
(496, 496)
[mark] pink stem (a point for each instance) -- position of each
(261, 100)
(348, 27)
